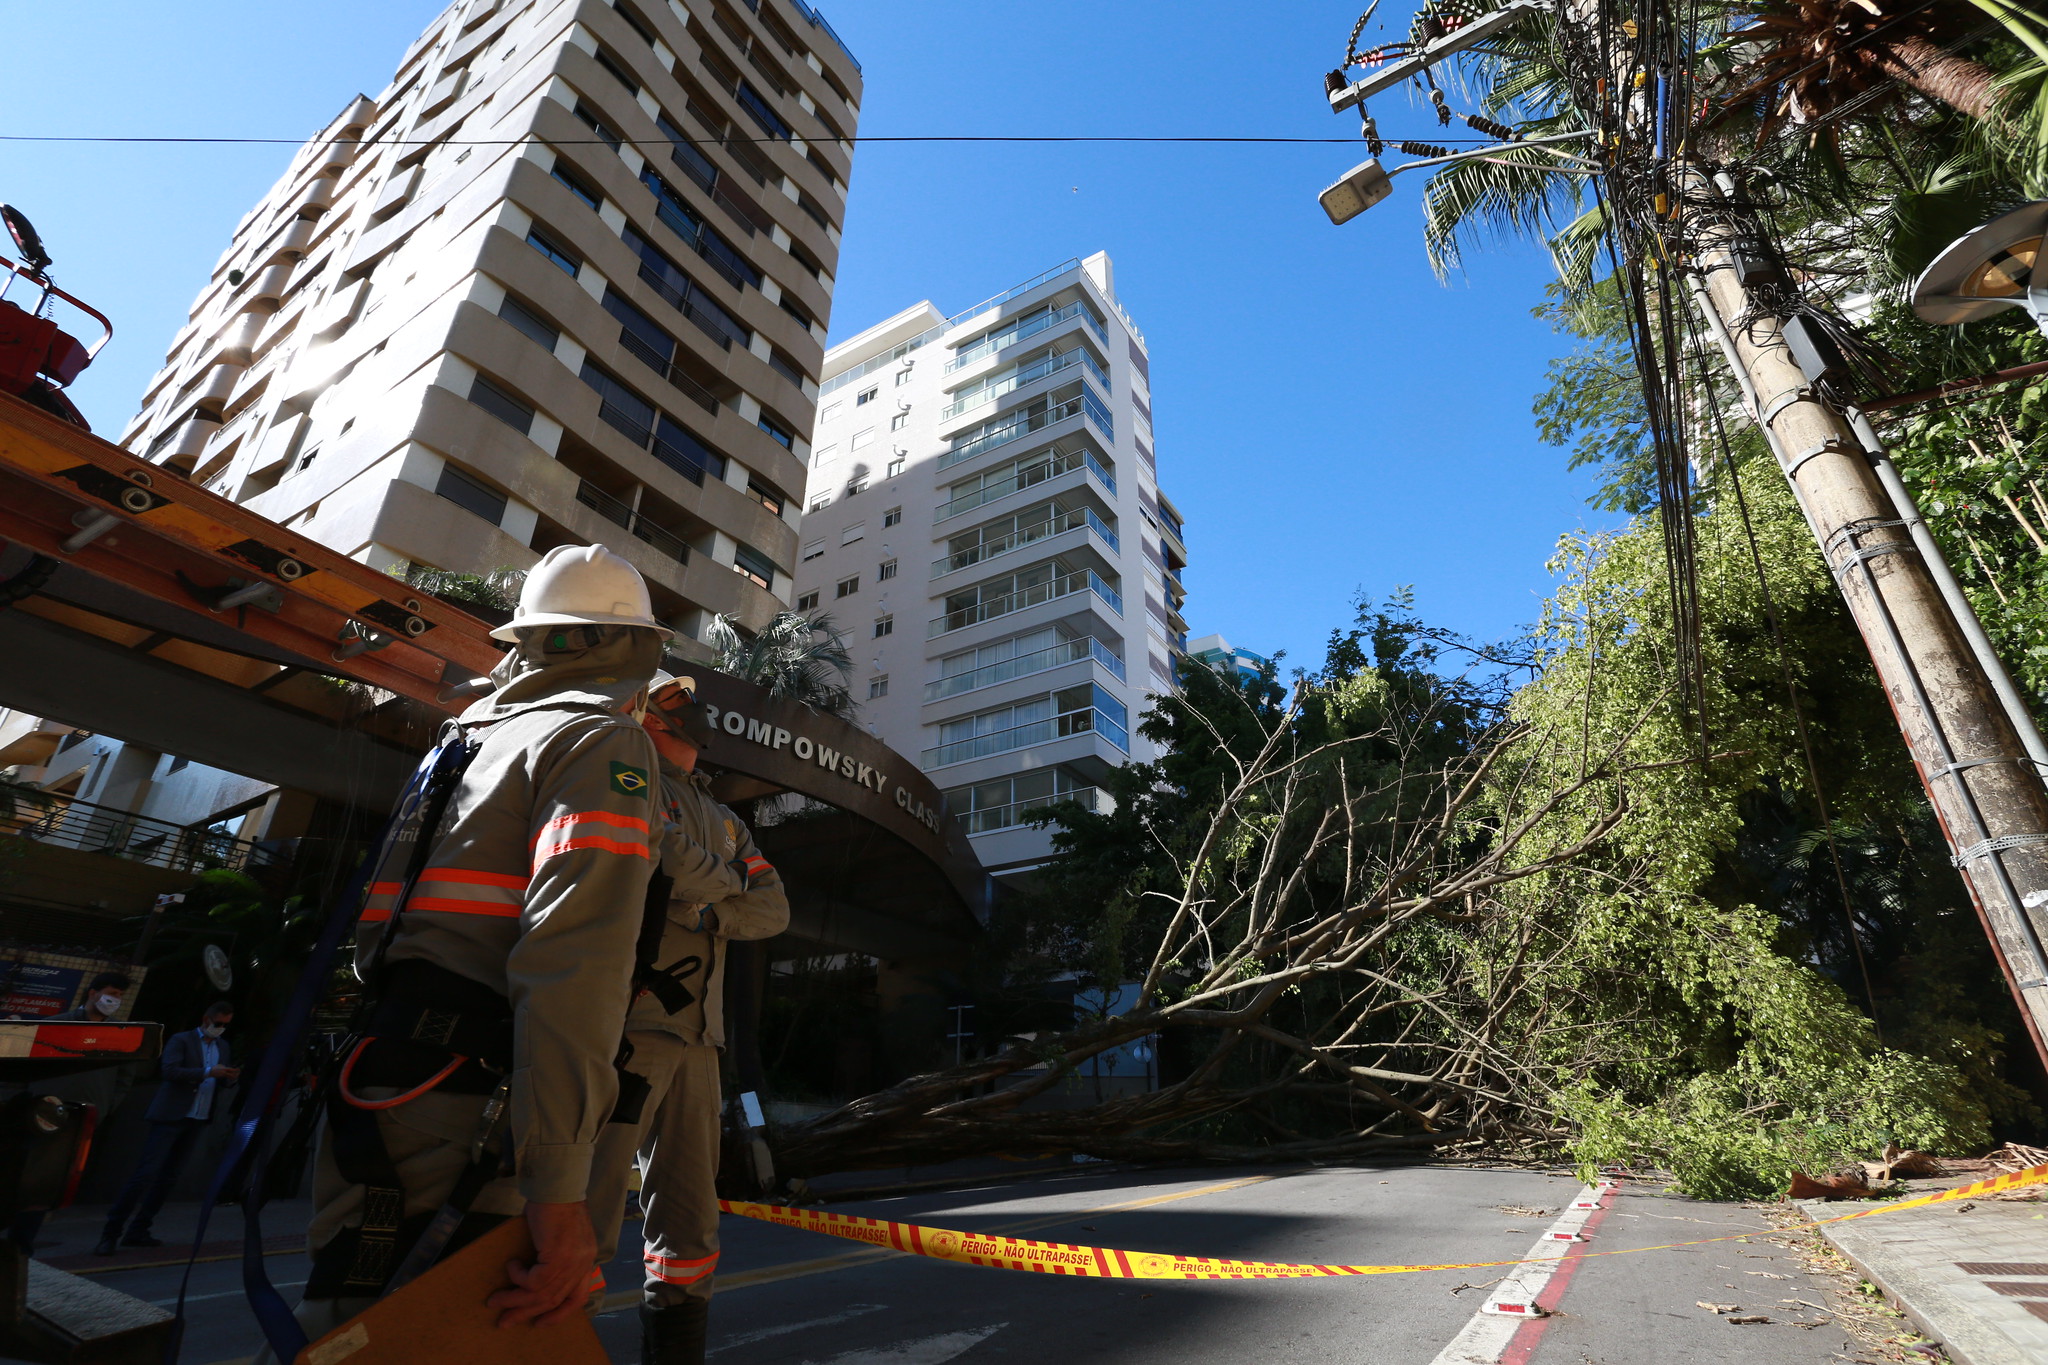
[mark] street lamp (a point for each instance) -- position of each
(1988, 270)
(1369, 182)
(1362, 186)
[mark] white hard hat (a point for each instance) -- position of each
(582, 585)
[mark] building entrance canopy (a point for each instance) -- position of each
(136, 604)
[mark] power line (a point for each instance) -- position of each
(605, 142)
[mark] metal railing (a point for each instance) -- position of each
(1024, 665)
(1097, 413)
(1085, 721)
(1066, 585)
(992, 818)
(1056, 463)
(1057, 522)
(88, 828)
(995, 386)
(1030, 325)
(640, 528)
(649, 355)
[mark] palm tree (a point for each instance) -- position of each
(802, 658)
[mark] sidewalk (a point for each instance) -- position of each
(1972, 1275)
(68, 1236)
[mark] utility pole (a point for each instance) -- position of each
(1971, 739)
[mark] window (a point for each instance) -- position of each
(575, 184)
(831, 411)
(853, 533)
(824, 453)
(529, 322)
(782, 364)
(621, 408)
(865, 396)
(306, 460)
(846, 587)
(821, 502)
(776, 434)
(766, 496)
(884, 625)
(813, 549)
(895, 467)
(878, 686)
(570, 262)
(861, 438)
(892, 517)
(857, 484)
(597, 125)
(899, 421)
(471, 495)
(750, 563)
(902, 378)
(611, 64)
(762, 113)
(635, 22)
(887, 571)
(808, 602)
(501, 405)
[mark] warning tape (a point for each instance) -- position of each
(1110, 1263)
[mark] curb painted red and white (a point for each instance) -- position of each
(1509, 1323)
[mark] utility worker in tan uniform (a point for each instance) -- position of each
(719, 888)
(506, 975)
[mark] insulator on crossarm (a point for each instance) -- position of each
(1422, 149)
(1492, 129)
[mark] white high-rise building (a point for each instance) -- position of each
(985, 522)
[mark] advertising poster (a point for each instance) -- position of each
(37, 985)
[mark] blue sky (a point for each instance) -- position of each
(1331, 418)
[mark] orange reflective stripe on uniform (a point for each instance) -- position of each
(590, 829)
(466, 891)
(379, 901)
(674, 1270)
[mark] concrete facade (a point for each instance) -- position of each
(983, 518)
(564, 280)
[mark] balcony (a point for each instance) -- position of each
(1059, 521)
(1024, 665)
(1030, 325)
(1044, 366)
(995, 818)
(650, 355)
(1043, 413)
(1082, 580)
(87, 828)
(640, 528)
(1056, 463)
(1085, 721)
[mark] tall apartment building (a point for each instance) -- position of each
(984, 519)
(564, 280)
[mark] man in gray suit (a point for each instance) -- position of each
(195, 1069)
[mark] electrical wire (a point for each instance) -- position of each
(607, 142)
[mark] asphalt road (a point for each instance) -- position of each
(788, 1296)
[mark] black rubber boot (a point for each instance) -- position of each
(673, 1335)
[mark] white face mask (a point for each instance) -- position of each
(213, 1030)
(109, 1005)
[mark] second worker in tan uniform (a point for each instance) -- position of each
(721, 888)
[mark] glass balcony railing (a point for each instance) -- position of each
(1066, 585)
(1056, 463)
(1030, 325)
(1062, 520)
(1097, 413)
(1045, 366)
(1035, 732)
(992, 818)
(1024, 665)
(1016, 428)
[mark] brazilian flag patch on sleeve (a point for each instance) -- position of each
(629, 780)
